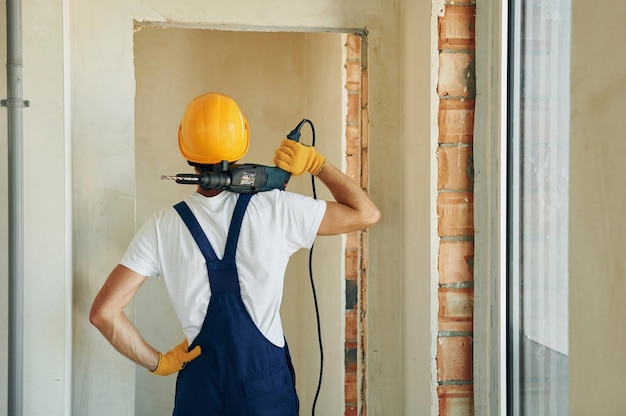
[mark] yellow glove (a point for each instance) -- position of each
(297, 158)
(176, 359)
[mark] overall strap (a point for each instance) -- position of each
(196, 231)
(235, 227)
(200, 238)
(223, 276)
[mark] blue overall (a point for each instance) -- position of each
(240, 372)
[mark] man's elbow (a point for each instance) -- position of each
(371, 217)
(98, 317)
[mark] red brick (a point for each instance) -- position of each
(351, 265)
(456, 400)
(353, 167)
(456, 309)
(455, 167)
(353, 76)
(353, 46)
(351, 388)
(456, 121)
(457, 27)
(357, 134)
(454, 358)
(457, 75)
(351, 326)
(456, 261)
(455, 211)
(350, 410)
(353, 145)
(354, 108)
(352, 240)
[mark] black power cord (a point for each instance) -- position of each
(295, 135)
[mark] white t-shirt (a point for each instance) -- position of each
(276, 225)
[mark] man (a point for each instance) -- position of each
(223, 256)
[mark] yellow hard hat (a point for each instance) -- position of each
(213, 129)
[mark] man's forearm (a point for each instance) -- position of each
(125, 338)
(354, 211)
(107, 314)
(345, 190)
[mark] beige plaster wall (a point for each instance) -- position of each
(597, 207)
(420, 101)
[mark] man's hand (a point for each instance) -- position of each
(176, 359)
(296, 158)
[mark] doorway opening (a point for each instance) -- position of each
(278, 78)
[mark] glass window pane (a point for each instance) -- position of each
(538, 207)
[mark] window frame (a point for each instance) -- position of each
(490, 209)
(525, 57)
(492, 250)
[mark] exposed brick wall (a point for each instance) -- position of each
(455, 210)
(356, 242)
(456, 89)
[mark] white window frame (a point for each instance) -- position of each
(490, 199)
(491, 310)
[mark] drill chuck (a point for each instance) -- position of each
(214, 180)
(206, 180)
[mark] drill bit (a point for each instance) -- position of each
(182, 178)
(169, 177)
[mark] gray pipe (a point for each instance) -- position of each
(15, 104)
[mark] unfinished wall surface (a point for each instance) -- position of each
(419, 258)
(455, 207)
(79, 76)
(597, 205)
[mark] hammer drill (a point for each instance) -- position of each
(240, 178)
